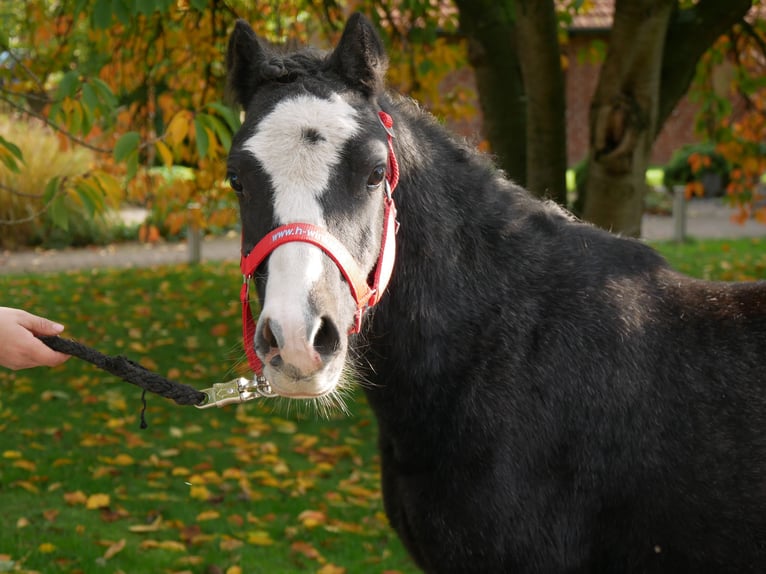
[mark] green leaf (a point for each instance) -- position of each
(230, 116)
(126, 145)
(199, 5)
(51, 189)
(132, 165)
(89, 97)
(91, 196)
(145, 7)
(102, 14)
(104, 92)
(121, 11)
(203, 142)
(11, 161)
(68, 85)
(220, 129)
(57, 211)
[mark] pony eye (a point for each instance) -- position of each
(234, 182)
(376, 177)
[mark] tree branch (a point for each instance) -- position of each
(54, 127)
(691, 32)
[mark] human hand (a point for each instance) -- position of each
(19, 348)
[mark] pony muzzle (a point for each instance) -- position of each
(294, 350)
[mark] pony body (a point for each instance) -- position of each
(550, 397)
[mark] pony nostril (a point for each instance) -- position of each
(327, 338)
(268, 336)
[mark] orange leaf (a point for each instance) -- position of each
(76, 497)
(306, 549)
(331, 569)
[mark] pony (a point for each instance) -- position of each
(550, 397)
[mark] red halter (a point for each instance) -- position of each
(365, 294)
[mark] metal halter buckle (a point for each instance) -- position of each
(236, 391)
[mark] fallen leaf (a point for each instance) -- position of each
(306, 550)
(331, 569)
(154, 526)
(95, 501)
(173, 545)
(114, 549)
(259, 538)
(76, 497)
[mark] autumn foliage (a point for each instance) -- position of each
(731, 90)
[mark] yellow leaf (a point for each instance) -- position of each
(11, 454)
(173, 545)
(208, 515)
(199, 492)
(259, 538)
(155, 525)
(25, 464)
(165, 153)
(178, 127)
(46, 548)
(234, 570)
(97, 501)
(312, 518)
(26, 485)
(123, 460)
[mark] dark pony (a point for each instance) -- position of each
(550, 397)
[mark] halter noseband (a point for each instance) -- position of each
(365, 294)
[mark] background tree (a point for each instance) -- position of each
(651, 59)
(140, 84)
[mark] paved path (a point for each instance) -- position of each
(705, 218)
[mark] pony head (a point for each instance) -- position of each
(311, 154)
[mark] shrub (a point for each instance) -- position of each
(700, 168)
(32, 212)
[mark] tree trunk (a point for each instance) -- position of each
(624, 114)
(538, 47)
(623, 123)
(492, 40)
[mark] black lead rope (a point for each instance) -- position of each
(131, 372)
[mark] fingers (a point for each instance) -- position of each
(39, 325)
(19, 347)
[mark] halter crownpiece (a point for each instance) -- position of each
(365, 294)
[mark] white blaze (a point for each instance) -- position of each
(299, 169)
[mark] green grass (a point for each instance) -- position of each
(254, 488)
(718, 259)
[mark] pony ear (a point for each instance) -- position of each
(244, 57)
(359, 58)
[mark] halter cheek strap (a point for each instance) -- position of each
(365, 294)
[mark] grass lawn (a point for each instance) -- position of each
(254, 488)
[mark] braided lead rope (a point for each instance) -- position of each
(129, 371)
